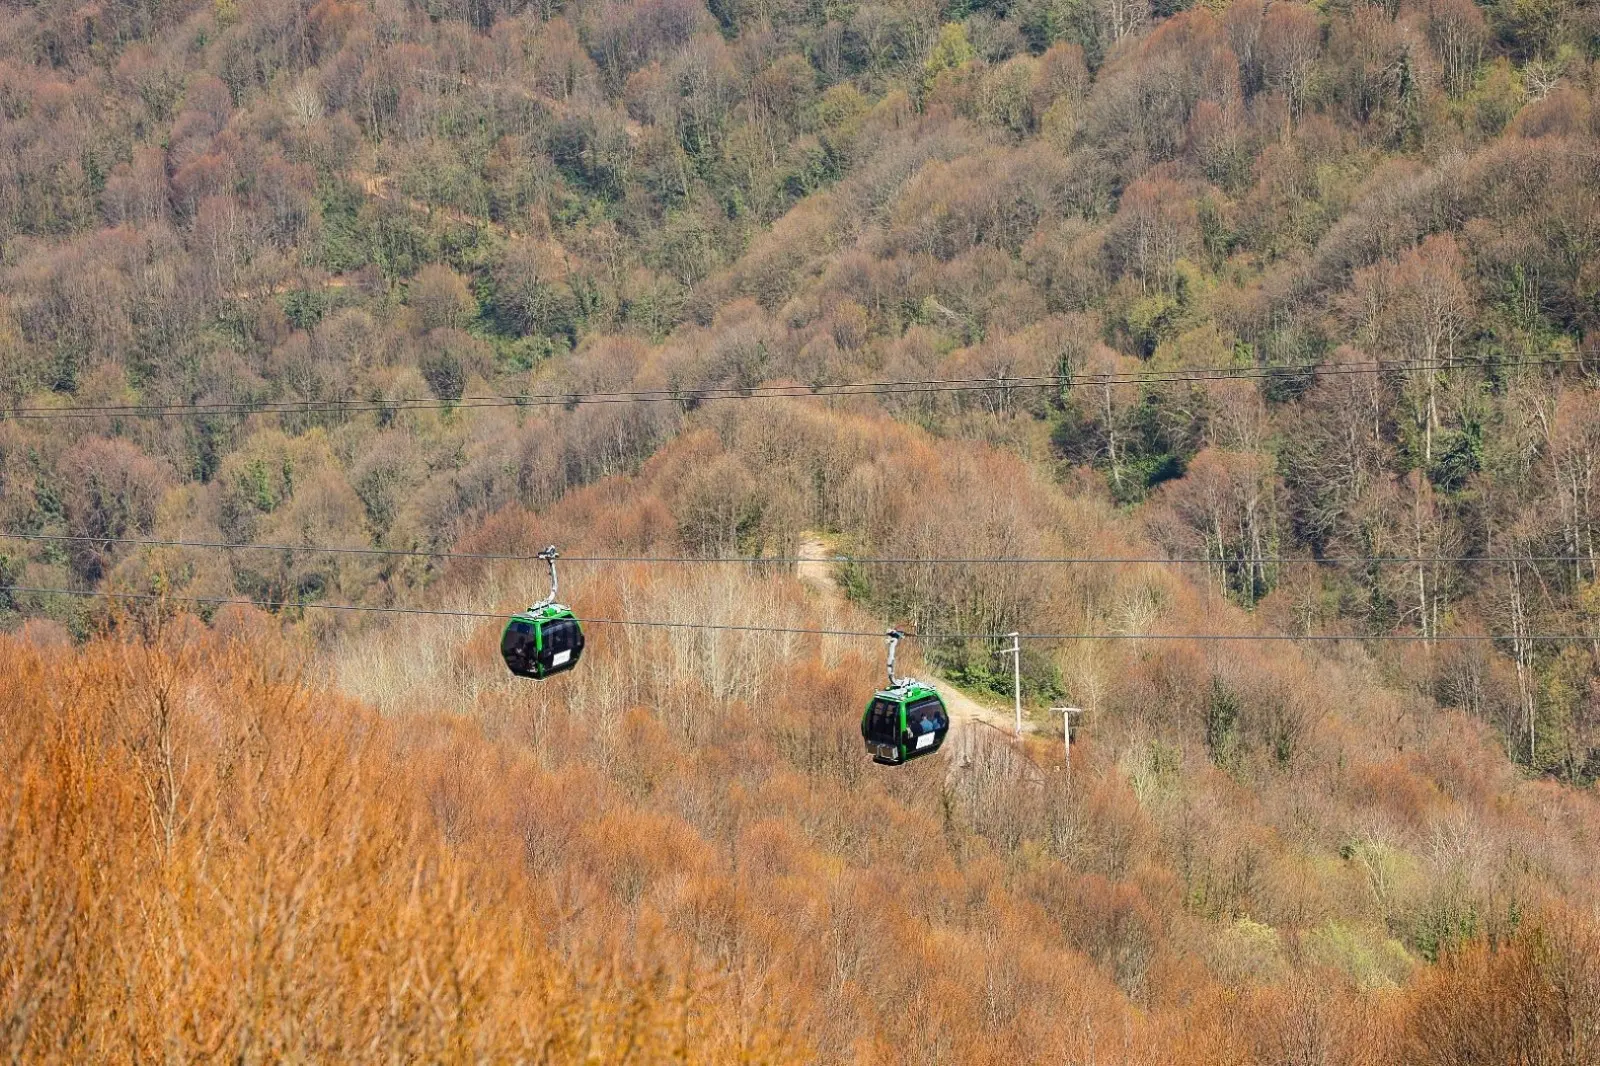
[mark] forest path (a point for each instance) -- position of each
(816, 570)
(382, 187)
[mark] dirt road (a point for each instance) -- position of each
(817, 572)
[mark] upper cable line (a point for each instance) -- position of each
(791, 560)
(694, 395)
(1410, 638)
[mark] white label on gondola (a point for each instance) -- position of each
(560, 657)
(926, 740)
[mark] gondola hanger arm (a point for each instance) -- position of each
(895, 636)
(549, 555)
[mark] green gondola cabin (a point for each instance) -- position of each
(546, 638)
(543, 641)
(904, 722)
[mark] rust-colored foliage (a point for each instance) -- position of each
(206, 855)
(206, 859)
(1534, 999)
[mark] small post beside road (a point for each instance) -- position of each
(1016, 677)
(1066, 714)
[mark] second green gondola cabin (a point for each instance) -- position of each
(903, 723)
(906, 720)
(542, 641)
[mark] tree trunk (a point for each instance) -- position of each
(1520, 647)
(1111, 439)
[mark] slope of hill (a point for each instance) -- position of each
(1304, 296)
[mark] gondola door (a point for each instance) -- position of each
(883, 730)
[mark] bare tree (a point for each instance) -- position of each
(1121, 18)
(1416, 309)
(1291, 40)
(1459, 34)
(1574, 456)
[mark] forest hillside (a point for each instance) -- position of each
(1242, 356)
